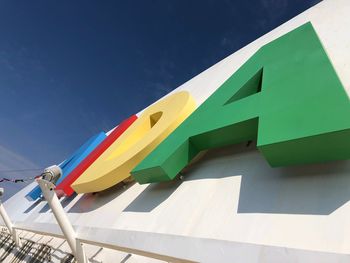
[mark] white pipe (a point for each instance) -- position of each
(9, 225)
(48, 191)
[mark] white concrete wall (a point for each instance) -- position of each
(231, 204)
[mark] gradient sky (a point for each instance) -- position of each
(71, 69)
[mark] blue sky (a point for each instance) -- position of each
(71, 69)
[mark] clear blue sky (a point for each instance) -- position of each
(69, 69)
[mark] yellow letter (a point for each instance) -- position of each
(153, 126)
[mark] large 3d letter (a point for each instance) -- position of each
(64, 188)
(71, 163)
(287, 96)
(153, 126)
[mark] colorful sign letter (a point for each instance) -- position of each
(69, 164)
(153, 126)
(64, 188)
(287, 96)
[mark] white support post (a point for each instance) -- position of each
(9, 225)
(48, 191)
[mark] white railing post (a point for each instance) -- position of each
(9, 225)
(48, 191)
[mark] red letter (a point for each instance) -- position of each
(64, 188)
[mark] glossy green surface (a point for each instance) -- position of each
(287, 96)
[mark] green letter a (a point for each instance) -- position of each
(287, 96)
